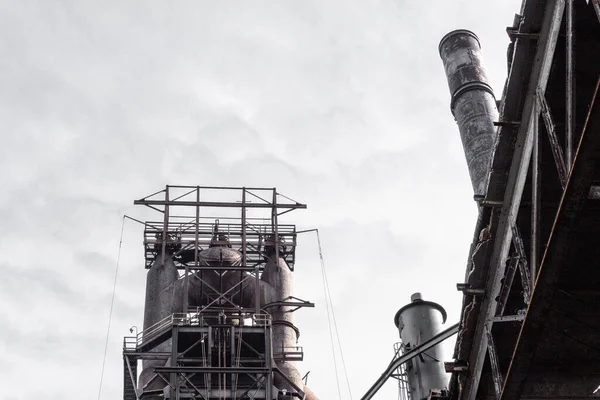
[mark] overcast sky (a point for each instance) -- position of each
(340, 104)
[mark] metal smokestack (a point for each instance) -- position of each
(418, 322)
(473, 103)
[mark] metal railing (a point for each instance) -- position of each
(193, 319)
(261, 319)
(186, 236)
(288, 353)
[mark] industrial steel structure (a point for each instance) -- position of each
(535, 336)
(534, 161)
(219, 298)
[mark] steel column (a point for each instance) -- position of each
(536, 183)
(269, 360)
(569, 85)
(275, 226)
(174, 355)
(165, 226)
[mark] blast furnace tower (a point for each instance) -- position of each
(218, 320)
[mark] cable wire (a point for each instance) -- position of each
(330, 305)
(337, 334)
(325, 290)
(112, 303)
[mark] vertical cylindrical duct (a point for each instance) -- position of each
(473, 103)
(159, 298)
(418, 322)
(285, 333)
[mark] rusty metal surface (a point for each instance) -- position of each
(569, 346)
(520, 161)
(557, 253)
(473, 103)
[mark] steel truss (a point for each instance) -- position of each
(504, 317)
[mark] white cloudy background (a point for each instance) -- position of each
(341, 104)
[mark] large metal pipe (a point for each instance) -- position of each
(159, 297)
(418, 322)
(473, 103)
(277, 280)
(285, 334)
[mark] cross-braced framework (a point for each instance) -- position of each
(538, 335)
(401, 375)
(216, 300)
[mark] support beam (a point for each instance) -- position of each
(509, 318)
(569, 83)
(187, 203)
(556, 255)
(212, 370)
(493, 355)
(509, 277)
(557, 152)
(596, 4)
(196, 389)
(536, 202)
(523, 265)
(283, 376)
(540, 72)
(525, 280)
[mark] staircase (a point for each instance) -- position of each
(128, 387)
